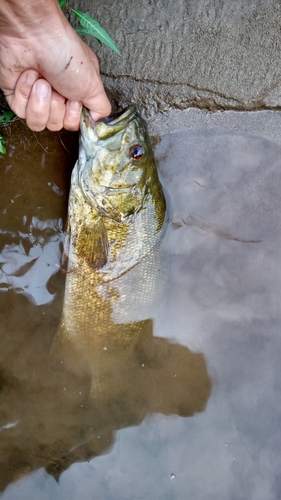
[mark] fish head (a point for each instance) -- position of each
(116, 163)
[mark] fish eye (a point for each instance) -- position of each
(137, 151)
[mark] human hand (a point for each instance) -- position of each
(48, 74)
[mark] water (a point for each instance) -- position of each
(213, 430)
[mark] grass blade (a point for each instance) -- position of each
(93, 28)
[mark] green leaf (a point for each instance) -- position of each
(82, 31)
(62, 4)
(92, 27)
(4, 119)
(2, 147)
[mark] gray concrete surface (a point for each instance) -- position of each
(212, 54)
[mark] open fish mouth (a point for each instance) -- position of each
(117, 189)
(110, 125)
(121, 118)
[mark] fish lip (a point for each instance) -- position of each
(120, 119)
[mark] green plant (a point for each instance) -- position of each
(90, 26)
(62, 4)
(4, 120)
(2, 147)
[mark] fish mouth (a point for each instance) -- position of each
(117, 189)
(121, 118)
(112, 124)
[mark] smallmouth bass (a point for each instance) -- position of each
(116, 205)
(116, 221)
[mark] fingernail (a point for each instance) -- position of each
(31, 78)
(41, 89)
(74, 107)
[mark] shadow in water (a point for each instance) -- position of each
(53, 418)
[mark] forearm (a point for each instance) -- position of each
(18, 16)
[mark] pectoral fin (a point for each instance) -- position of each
(92, 243)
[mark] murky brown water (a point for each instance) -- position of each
(192, 411)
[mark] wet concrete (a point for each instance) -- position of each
(213, 430)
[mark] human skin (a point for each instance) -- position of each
(46, 72)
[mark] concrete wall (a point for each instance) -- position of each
(213, 54)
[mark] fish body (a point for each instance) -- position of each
(116, 205)
(116, 221)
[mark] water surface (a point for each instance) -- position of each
(196, 413)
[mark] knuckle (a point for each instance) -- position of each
(57, 100)
(23, 91)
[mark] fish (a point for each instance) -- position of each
(116, 206)
(117, 215)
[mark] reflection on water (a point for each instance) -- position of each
(34, 186)
(62, 400)
(31, 258)
(146, 433)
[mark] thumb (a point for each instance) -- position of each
(99, 105)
